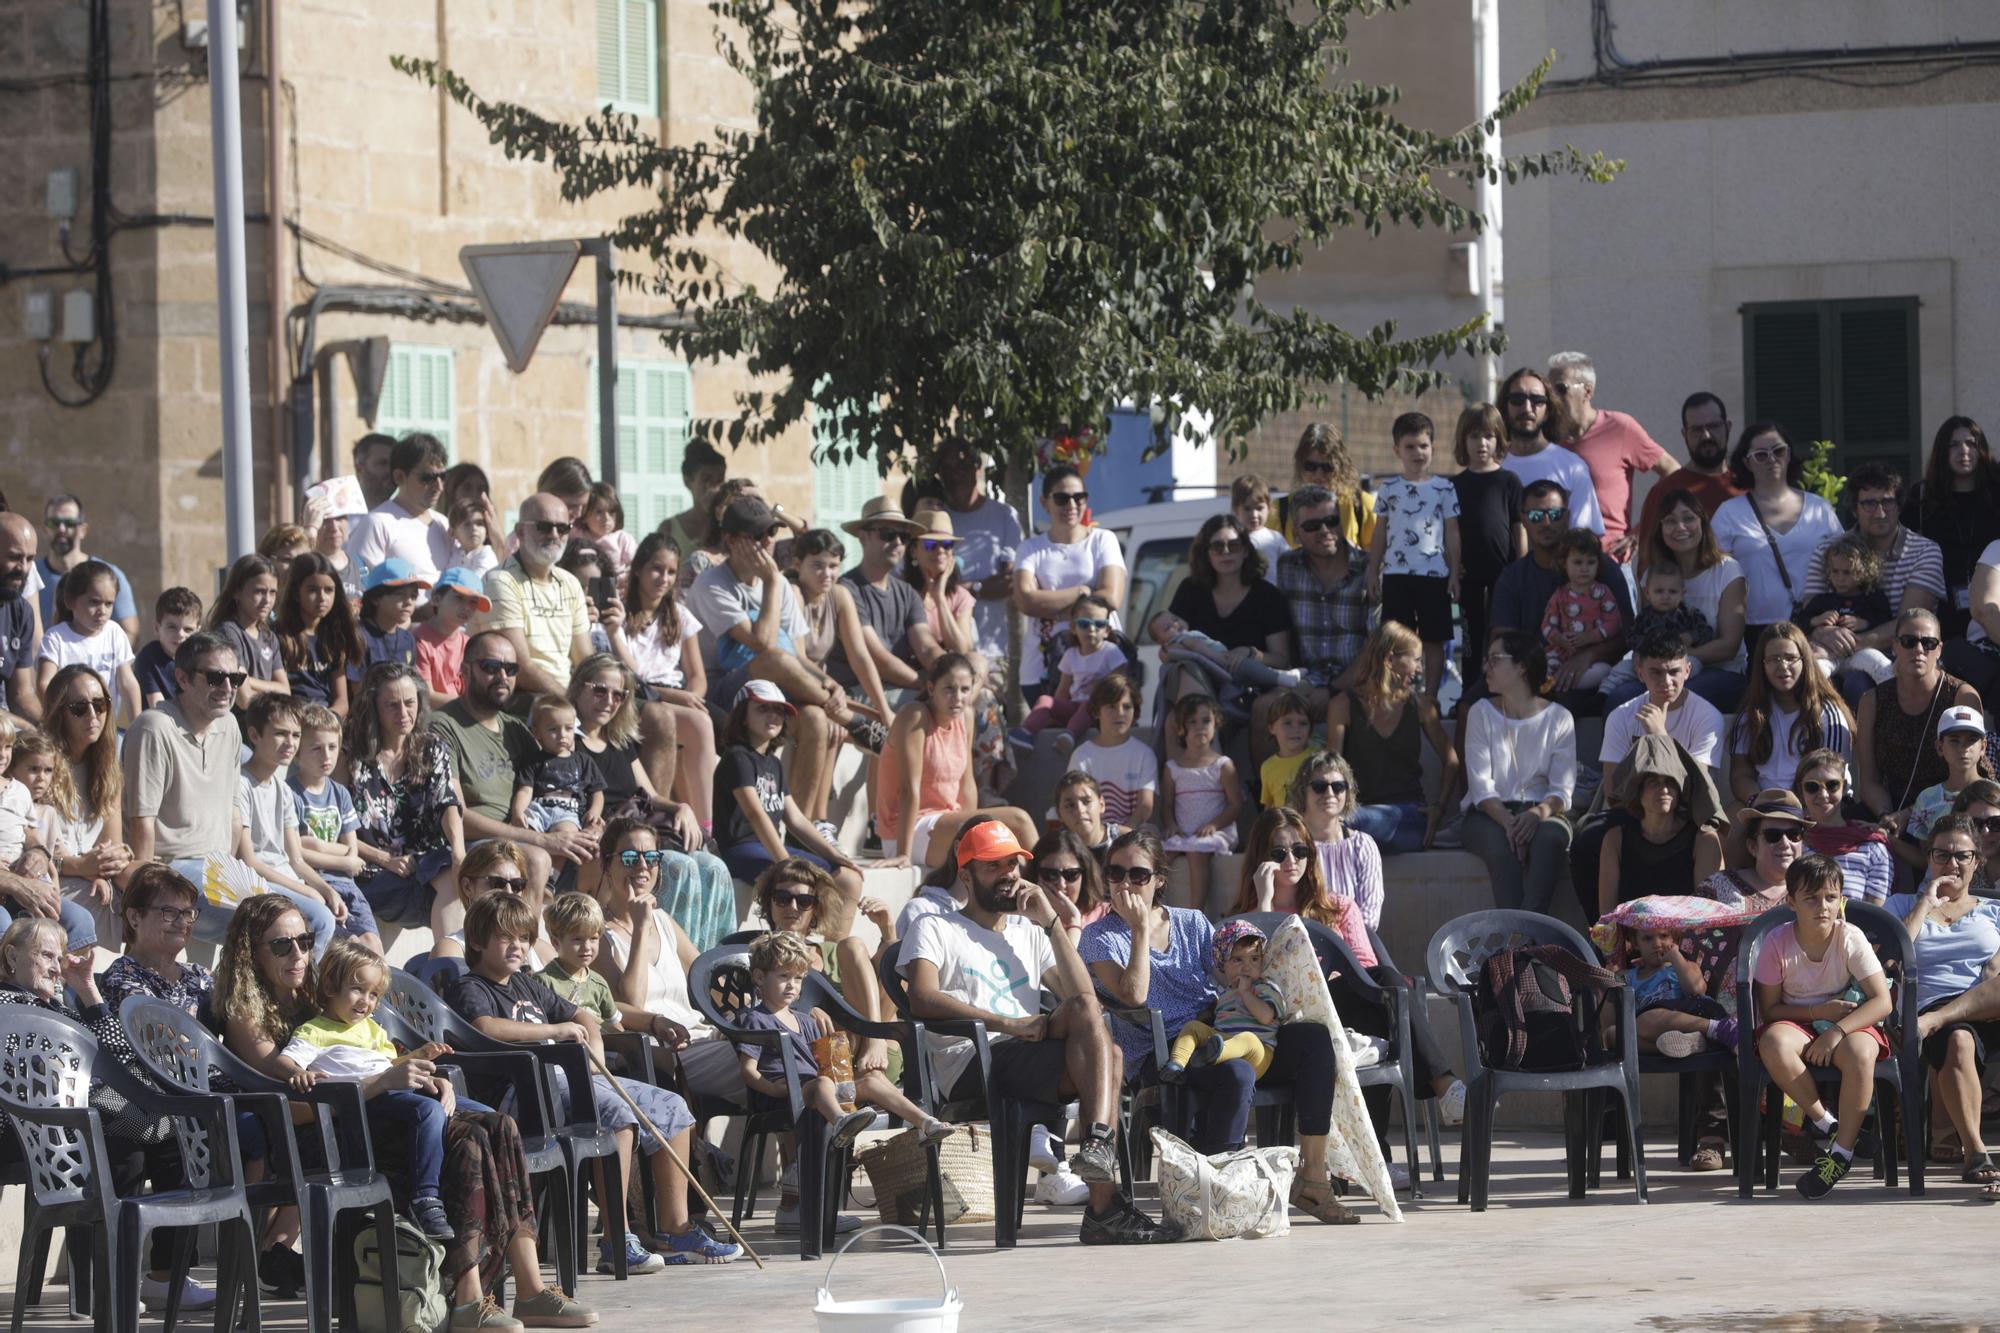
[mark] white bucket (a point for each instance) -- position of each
(888, 1316)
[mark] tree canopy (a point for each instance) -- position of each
(1001, 219)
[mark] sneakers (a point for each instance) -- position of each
(1045, 1150)
(1725, 1033)
(1828, 1170)
(786, 1221)
(1061, 1189)
(1096, 1162)
(695, 1246)
(848, 1128)
(868, 733)
(1290, 678)
(194, 1296)
(553, 1308)
(1122, 1224)
(1399, 1176)
(1451, 1106)
(638, 1259)
(483, 1313)
(429, 1216)
(281, 1273)
(1021, 738)
(1680, 1045)
(828, 829)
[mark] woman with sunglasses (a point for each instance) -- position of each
(1321, 459)
(949, 608)
(1067, 869)
(1712, 584)
(76, 715)
(1520, 773)
(405, 788)
(1350, 864)
(1058, 568)
(1980, 803)
(799, 897)
(1860, 848)
(1226, 620)
(1895, 729)
(1773, 826)
(497, 866)
(1775, 528)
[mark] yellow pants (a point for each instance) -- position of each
(1245, 1046)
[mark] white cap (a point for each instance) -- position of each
(1961, 718)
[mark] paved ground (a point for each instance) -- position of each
(1694, 1259)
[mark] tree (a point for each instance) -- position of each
(1000, 219)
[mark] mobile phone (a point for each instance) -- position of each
(603, 590)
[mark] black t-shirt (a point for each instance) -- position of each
(521, 999)
(563, 781)
(1262, 613)
(1489, 504)
(17, 626)
(155, 671)
(740, 766)
(615, 764)
(1961, 523)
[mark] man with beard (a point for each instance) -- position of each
(371, 467)
(487, 745)
(1611, 443)
(989, 533)
(990, 961)
(63, 517)
(1524, 405)
(18, 624)
(1522, 593)
(539, 608)
(1705, 431)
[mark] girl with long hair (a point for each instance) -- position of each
(317, 637)
(1957, 505)
(658, 639)
(1790, 710)
(405, 787)
(242, 615)
(92, 858)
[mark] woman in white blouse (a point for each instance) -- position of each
(1774, 529)
(1520, 767)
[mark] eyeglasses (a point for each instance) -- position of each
(1920, 641)
(888, 536)
(1882, 505)
(63, 524)
(1777, 453)
(630, 857)
(932, 545)
(1496, 659)
(504, 883)
(1062, 874)
(1546, 515)
(287, 945)
(1944, 856)
(1518, 399)
(603, 691)
(1317, 466)
(1078, 498)
(494, 666)
(1327, 787)
(1133, 875)
(216, 679)
(85, 707)
(1830, 787)
(1091, 622)
(1788, 833)
(1312, 525)
(1225, 546)
(183, 916)
(1298, 851)
(790, 898)
(549, 528)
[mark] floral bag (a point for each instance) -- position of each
(1230, 1194)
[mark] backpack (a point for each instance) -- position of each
(419, 1281)
(1526, 1009)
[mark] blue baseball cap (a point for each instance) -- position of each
(466, 584)
(395, 572)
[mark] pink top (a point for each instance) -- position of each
(1614, 448)
(1352, 926)
(441, 658)
(958, 604)
(947, 752)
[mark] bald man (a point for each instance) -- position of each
(539, 608)
(18, 622)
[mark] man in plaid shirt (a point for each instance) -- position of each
(1325, 582)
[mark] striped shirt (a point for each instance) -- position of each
(1912, 560)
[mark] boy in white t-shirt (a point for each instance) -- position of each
(1667, 707)
(1127, 771)
(268, 831)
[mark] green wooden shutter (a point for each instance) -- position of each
(1844, 371)
(628, 56)
(655, 420)
(417, 393)
(840, 488)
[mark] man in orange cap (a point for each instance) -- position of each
(991, 961)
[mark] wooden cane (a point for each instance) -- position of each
(693, 1180)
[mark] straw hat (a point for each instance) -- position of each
(878, 512)
(1774, 804)
(934, 523)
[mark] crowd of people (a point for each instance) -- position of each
(559, 747)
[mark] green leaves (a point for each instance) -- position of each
(999, 220)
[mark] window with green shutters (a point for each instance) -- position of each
(655, 419)
(417, 393)
(840, 486)
(628, 56)
(1844, 371)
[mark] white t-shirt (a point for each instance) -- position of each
(1704, 592)
(269, 808)
(1270, 544)
(103, 652)
(657, 656)
(1781, 766)
(999, 971)
(986, 536)
(1057, 565)
(1122, 770)
(389, 531)
(1695, 724)
(17, 811)
(340, 1064)
(1568, 471)
(1086, 669)
(719, 603)
(1990, 557)
(1738, 532)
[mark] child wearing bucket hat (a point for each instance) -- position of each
(1246, 1016)
(1961, 743)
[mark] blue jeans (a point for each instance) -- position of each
(422, 1119)
(213, 923)
(1397, 829)
(76, 919)
(747, 860)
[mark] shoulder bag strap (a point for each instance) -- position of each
(1772, 538)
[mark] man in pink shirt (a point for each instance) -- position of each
(1612, 444)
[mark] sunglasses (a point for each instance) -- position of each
(1775, 454)
(1091, 622)
(630, 857)
(63, 524)
(603, 691)
(233, 679)
(430, 478)
(1316, 465)
(932, 545)
(1225, 546)
(1944, 856)
(287, 945)
(550, 529)
(1789, 833)
(1545, 515)
(1311, 525)
(1831, 787)
(1925, 642)
(1135, 875)
(494, 666)
(1327, 787)
(1078, 498)
(504, 883)
(1527, 400)
(790, 898)
(1986, 823)
(1063, 874)
(1298, 851)
(85, 707)
(889, 536)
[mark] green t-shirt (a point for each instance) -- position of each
(485, 759)
(586, 990)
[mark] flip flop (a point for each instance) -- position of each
(1980, 1171)
(1990, 1193)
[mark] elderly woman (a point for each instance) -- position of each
(412, 832)
(1895, 729)
(1713, 585)
(1774, 828)
(1957, 942)
(1150, 954)
(1860, 849)
(1226, 620)
(1657, 842)
(1775, 528)
(1380, 726)
(1520, 769)
(264, 984)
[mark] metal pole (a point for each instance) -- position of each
(225, 124)
(1486, 193)
(285, 491)
(601, 250)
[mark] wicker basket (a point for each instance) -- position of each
(896, 1171)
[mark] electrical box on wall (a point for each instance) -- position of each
(62, 193)
(79, 316)
(38, 315)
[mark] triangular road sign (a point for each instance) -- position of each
(518, 287)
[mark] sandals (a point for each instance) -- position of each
(1946, 1151)
(1316, 1198)
(1979, 1170)
(1707, 1156)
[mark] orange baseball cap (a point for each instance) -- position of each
(991, 841)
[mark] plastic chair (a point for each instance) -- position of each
(45, 1082)
(1716, 957)
(1903, 1073)
(1457, 954)
(1417, 993)
(719, 985)
(182, 1054)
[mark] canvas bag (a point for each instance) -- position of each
(419, 1281)
(1244, 1193)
